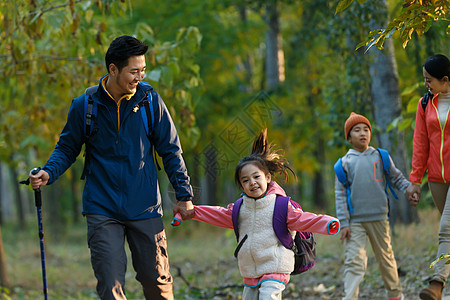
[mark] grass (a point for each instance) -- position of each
(203, 265)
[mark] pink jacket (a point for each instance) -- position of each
(297, 220)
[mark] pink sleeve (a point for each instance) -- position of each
(214, 215)
(299, 220)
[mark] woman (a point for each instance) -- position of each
(431, 150)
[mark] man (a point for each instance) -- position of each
(121, 196)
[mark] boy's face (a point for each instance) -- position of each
(359, 137)
(253, 181)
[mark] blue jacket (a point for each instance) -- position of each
(121, 178)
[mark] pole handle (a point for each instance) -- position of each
(37, 192)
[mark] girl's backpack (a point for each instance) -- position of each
(303, 244)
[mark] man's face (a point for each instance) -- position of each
(127, 79)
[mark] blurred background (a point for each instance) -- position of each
(226, 69)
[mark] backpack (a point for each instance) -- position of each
(303, 244)
(90, 114)
(342, 176)
(425, 99)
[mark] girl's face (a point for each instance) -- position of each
(254, 181)
(359, 137)
(435, 85)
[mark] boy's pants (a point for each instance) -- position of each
(441, 196)
(268, 290)
(148, 246)
(356, 258)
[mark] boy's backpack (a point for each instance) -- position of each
(425, 99)
(342, 176)
(90, 114)
(303, 244)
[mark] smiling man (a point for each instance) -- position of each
(121, 198)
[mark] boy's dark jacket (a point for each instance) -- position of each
(121, 179)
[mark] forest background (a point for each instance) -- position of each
(226, 70)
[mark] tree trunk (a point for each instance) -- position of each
(211, 175)
(387, 107)
(4, 278)
(318, 180)
(274, 51)
(245, 86)
(19, 199)
(1, 194)
(75, 185)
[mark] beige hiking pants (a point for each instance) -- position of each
(377, 232)
(440, 194)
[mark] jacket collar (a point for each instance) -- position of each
(142, 88)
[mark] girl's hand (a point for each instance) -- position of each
(185, 209)
(345, 233)
(333, 227)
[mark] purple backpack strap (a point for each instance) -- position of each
(280, 222)
(235, 216)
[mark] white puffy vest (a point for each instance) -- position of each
(262, 253)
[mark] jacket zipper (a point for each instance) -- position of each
(118, 114)
(442, 141)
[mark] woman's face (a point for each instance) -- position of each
(435, 85)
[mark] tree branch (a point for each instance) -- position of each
(42, 11)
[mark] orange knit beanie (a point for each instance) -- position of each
(354, 119)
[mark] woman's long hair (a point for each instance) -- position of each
(265, 157)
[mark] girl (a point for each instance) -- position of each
(265, 264)
(430, 151)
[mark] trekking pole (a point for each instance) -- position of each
(38, 202)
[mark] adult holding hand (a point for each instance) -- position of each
(431, 151)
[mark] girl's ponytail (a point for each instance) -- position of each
(266, 157)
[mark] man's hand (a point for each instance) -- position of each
(185, 208)
(39, 179)
(345, 233)
(413, 194)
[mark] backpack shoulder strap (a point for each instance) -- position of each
(385, 159)
(89, 115)
(235, 216)
(148, 114)
(342, 177)
(340, 173)
(425, 99)
(148, 118)
(90, 110)
(386, 166)
(280, 222)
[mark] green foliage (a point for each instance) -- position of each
(416, 16)
(52, 50)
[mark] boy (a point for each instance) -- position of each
(366, 216)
